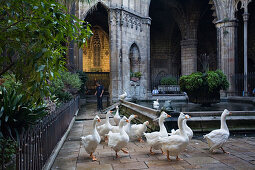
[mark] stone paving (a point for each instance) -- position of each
(72, 155)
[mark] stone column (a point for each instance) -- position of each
(245, 19)
(115, 56)
(188, 56)
(226, 49)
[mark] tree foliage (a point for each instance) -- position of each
(33, 36)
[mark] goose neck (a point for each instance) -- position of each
(181, 125)
(223, 122)
(162, 126)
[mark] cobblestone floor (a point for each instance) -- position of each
(72, 155)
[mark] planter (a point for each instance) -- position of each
(135, 79)
(169, 88)
(204, 97)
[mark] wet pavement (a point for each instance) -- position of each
(73, 156)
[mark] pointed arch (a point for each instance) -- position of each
(135, 58)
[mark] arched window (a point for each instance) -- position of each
(135, 59)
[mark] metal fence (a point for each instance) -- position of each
(37, 143)
(155, 82)
(239, 83)
(238, 79)
(102, 77)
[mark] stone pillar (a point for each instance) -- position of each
(226, 50)
(245, 20)
(115, 56)
(188, 56)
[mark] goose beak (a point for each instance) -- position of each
(99, 120)
(127, 121)
(110, 111)
(168, 116)
(186, 117)
(136, 116)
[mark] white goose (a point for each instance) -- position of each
(116, 117)
(123, 96)
(105, 128)
(117, 141)
(217, 138)
(187, 129)
(156, 104)
(127, 127)
(90, 142)
(137, 131)
(152, 138)
(175, 144)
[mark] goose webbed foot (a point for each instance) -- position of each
(162, 151)
(124, 151)
(224, 150)
(168, 158)
(178, 159)
(152, 153)
(141, 140)
(93, 157)
(117, 156)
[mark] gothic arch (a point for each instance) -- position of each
(93, 7)
(135, 58)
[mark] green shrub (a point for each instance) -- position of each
(136, 74)
(71, 80)
(65, 86)
(7, 151)
(213, 80)
(168, 81)
(83, 77)
(16, 114)
(11, 82)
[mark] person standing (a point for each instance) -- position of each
(99, 94)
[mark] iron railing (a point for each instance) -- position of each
(37, 143)
(155, 82)
(239, 83)
(102, 77)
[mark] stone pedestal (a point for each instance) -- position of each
(188, 56)
(226, 50)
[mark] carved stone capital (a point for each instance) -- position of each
(226, 23)
(246, 17)
(189, 43)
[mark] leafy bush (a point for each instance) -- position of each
(204, 88)
(168, 81)
(213, 80)
(71, 81)
(65, 86)
(7, 151)
(136, 74)
(83, 77)
(10, 82)
(191, 82)
(16, 114)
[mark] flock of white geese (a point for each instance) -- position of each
(171, 144)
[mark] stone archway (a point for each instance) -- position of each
(96, 53)
(165, 38)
